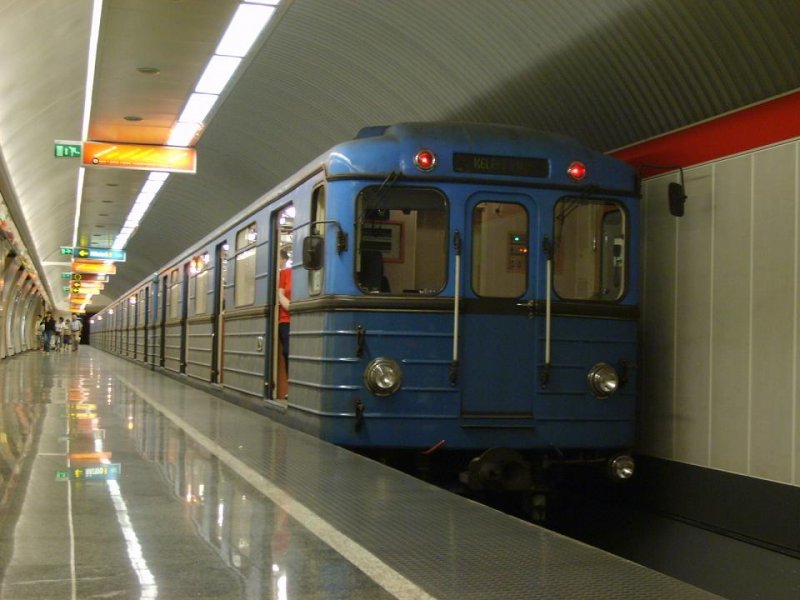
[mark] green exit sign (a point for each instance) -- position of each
(67, 149)
(66, 251)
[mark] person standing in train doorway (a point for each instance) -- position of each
(284, 300)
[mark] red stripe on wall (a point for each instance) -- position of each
(753, 127)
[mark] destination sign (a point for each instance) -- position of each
(516, 166)
(93, 267)
(139, 156)
(99, 254)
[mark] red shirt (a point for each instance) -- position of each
(284, 283)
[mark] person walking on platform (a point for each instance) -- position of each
(39, 332)
(76, 326)
(66, 335)
(49, 330)
(56, 341)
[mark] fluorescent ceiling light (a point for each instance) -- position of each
(246, 25)
(197, 108)
(182, 134)
(145, 197)
(269, 2)
(158, 176)
(218, 73)
(152, 187)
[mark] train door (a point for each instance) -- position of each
(498, 342)
(184, 312)
(144, 307)
(133, 340)
(281, 251)
(218, 321)
(162, 343)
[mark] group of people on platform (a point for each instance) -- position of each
(58, 335)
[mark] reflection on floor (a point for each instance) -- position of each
(122, 483)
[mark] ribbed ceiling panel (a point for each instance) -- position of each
(607, 72)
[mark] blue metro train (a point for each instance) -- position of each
(460, 289)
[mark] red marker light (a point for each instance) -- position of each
(425, 160)
(577, 170)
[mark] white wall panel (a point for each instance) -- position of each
(774, 255)
(692, 326)
(720, 317)
(730, 315)
(796, 408)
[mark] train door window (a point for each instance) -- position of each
(174, 295)
(200, 283)
(499, 249)
(590, 242)
(317, 215)
(401, 240)
(244, 292)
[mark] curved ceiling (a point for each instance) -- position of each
(607, 72)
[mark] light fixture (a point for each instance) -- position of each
(242, 32)
(198, 107)
(245, 27)
(182, 134)
(218, 73)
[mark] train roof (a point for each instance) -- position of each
(381, 150)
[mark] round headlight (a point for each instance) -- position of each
(603, 380)
(621, 467)
(383, 376)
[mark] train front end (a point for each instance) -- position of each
(486, 304)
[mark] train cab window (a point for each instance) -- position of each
(245, 275)
(174, 294)
(590, 244)
(401, 240)
(499, 250)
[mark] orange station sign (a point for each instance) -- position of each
(139, 156)
(93, 267)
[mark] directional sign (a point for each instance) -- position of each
(66, 251)
(86, 287)
(90, 472)
(65, 149)
(66, 276)
(99, 254)
(89, 277)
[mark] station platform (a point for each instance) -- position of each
(120, 482)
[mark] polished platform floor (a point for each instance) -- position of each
(118, 482)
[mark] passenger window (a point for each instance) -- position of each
(401, 241)
(499, 250)
(590, 245)
(245, 275)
